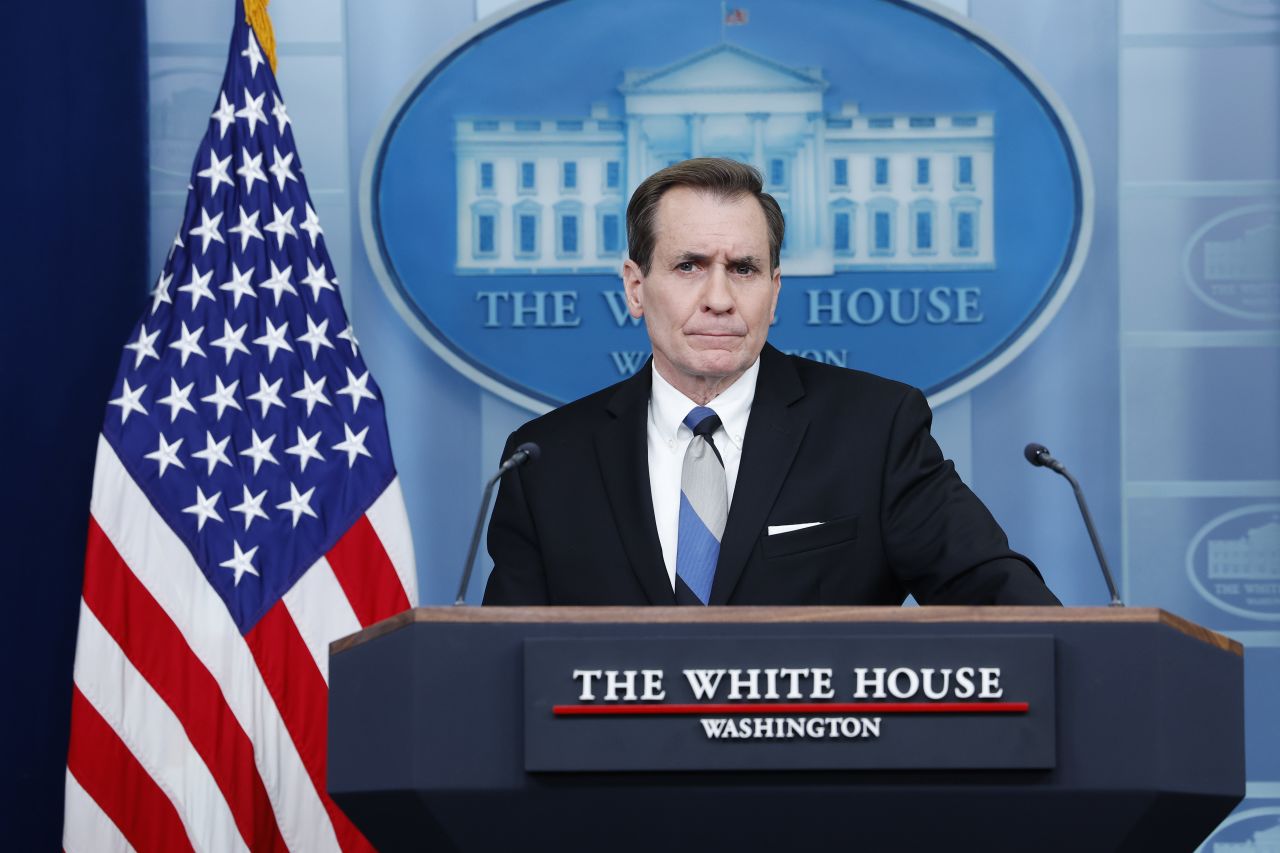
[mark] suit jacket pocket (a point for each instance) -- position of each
(834, 532)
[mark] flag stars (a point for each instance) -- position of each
(203, 509)
(305, 450)
(239, 286)
(207, 230)
(280, 114)
(279, 283)
(357, 389)
(260, 452)
(246, 227)
(299, 504)
(316, 280)
(224, 397)
(166, 454)
(130, 401)
(241, 563)
(348, 334)
(214, 452)
(225, 115)
(274, 339)
(281, 225)
(267, 395)
(311, 225)
(252, 110)
(198, 287)
(189, 343)
(231, 341)
(315, 336)
(144, 346)
(254, 55)
(312, 392)
(161, 293)
(251, 507)
(177, 400)
(251, 170)
(353, 446)
(217, 171)
(281, 167)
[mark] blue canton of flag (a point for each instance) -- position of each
(243, 407)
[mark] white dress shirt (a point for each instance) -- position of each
(668, 438)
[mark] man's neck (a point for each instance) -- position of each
(700, 389)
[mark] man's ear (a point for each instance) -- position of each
(632, 283)
(777, 289)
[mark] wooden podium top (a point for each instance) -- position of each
(740, 615)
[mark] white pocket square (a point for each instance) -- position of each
(775, 529)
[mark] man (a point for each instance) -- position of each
(725, 472)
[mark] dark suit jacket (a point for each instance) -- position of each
(822, 444)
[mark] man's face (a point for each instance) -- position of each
(709, 296)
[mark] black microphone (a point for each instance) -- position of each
(1039, 456)
(525, 453)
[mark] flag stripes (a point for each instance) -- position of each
(320, 611)
(367, 577)
(298, 690)
(157, 649)
(114, 780)
(391, 524)
(150, 730)
(93, 832)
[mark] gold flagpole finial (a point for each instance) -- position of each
(255, 12)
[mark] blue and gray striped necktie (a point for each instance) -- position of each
(704, 507)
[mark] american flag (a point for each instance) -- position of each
(736, 17)
(245, 513)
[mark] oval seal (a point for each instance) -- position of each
(1232, 262)
(938, 212)
(1233, 561)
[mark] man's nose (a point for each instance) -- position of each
(717, 298)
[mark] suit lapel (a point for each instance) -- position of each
(773, 436)
(622, 452)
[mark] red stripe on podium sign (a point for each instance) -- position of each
(795, 708)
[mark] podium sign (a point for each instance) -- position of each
(494, 728)
(728, 703)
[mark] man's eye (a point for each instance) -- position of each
(685, 266)
(744, 269)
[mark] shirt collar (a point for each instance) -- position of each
(668, 407)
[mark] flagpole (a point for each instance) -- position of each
(723, 12)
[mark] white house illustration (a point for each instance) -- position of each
(908, 191)
(1254, 556)
(1253, 256)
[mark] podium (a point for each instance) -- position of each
(536, 728)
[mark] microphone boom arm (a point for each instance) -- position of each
(1038, 455)
(527, 452)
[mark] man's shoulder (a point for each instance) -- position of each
(828, 383)
(584, 414)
